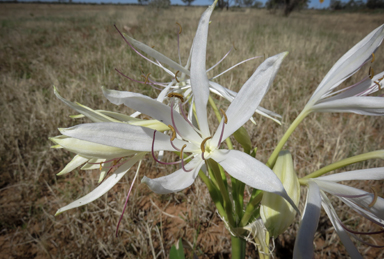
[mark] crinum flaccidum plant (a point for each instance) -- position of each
(272, 206)
(353, 99)
(201, 153)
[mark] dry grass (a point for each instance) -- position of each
(76, 48)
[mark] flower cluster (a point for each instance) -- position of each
(115, 142)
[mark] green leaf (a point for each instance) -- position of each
(177, 251)
(241, 136)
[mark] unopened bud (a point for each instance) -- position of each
(275, 211)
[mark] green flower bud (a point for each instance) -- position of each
(275, 211)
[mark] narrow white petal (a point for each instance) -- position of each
(75, 162)
(348, 64)
(199, 79)
(365, 105)
(364, 174)
(105, 186)
(176, 181)
(123, 136)
(308, 225)
(154, 109)
(251, 172)
(156, 55)
(250, 96)
(89, 149)
(363, 212)
(364, 201)
(230, 95)
(89, 113)
(341, 232)
(92, 164)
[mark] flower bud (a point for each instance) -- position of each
(275, 211)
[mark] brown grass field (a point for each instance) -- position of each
(76, 48)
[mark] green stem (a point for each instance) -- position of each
(345, 162)
(251, 208)
(214, 194)
(272, 159)
(238, 247)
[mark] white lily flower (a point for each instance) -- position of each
(199, 142)
(354, 98)
(368, 205)
(97, 156)
(181, 83)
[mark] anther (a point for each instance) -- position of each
(176, 76)
(374, 198)
(373, 57)
(177, 95)
(202, 147)
(101, 166)
(378, 84)
(371, 73)
(181, 151)
(233, 44)
(180, 30)
(173, 132)
(146, 78)
(225, 116)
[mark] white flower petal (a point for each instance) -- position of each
(365, 105)
(75, 162)
(364, 174)
(250, 96)
(156, 55)
(90, 149)
(123, 136)
(154, 109)
(105, 186)
(176, 181)
(364, 201)
(348, 64)
(89, 113)
(363, 212)
(341, 232)
(199, 79)
(308, 225)
(92, 164)
(251, 172)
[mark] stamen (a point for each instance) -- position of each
(146, 78)
(371, 73)
(153, 153)
(152, 84)
(374, 198)
(173, 132)
(225, 116)
(180, 30)
(101, 166)
(176, 76)
(202, 147)
(378, 85)
(182, 160)
(173, 119)
(126, 200)
(186, 118)
(153, 46)
(373, 57)
(177, 95)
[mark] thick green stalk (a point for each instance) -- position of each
(272, 159)
(215, 194)
(345, 162)
(238, 247)
(251, 208)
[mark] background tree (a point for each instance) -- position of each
(287, 5)
(188, 2)
(375, 4)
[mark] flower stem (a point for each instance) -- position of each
(345, 162)
(238, 247)
(251, 208)
(272, 159)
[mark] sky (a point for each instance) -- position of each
(313, 3)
